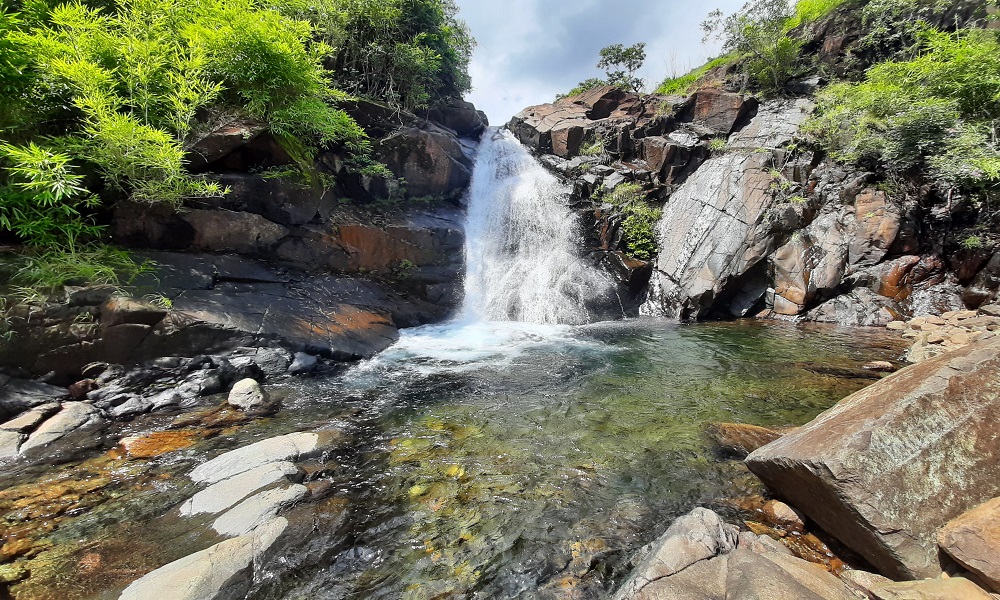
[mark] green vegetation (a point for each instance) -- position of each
(809, 11)
(936, 114)
(718, 145)
(103, 97)
(972, 242)
(638, 222)
(679, 86)
(595, 148)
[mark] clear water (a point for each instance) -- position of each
(513, 453)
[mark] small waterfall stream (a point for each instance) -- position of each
(522, 257)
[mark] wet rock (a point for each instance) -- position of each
(294, 446)
(10, 443)
(73, 417)
(31, 419)
(860, 470)
(246, 395)
(224, 494)
(973, 540)
(880, 366)
(258, 509)
(121, 311)
(741, 439)
(220, 569)
(303, 363)
(157, 443)
(695, 537)
(784, 515)
(273, 362)
(19, 395)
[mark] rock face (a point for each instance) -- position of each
(430, 160)
(719, 227)
(890, 464)
(701, 558)
(220, 303)
(973, 540)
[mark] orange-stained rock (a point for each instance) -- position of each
(157, 443)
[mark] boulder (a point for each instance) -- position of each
(223, 494)
(257, 510)
(246, 395)
(280, 200)
(461, 117)
(209, 146)
(31, 419)
(303, 363)
(122, 311)
(702, 558)
(740, 438)
(697, 536)
(293, 447)
(887, 466)
(218, 570)
(431, 161)
(231, 231)
(722, 111)
(10, 443)
(973, 540)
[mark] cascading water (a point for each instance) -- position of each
(521, 255)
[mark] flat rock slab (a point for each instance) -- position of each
(258, 509)
(889, 465)
(30, 419)
(294, 446)
(73, 416)
(224, 494)
(207, 574)
(956, 588)
(973, 540)
(10, 443)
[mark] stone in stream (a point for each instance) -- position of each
(303, 363)
(257, 509)
(294, 446)
(211, 572)
(72, 417)
(246, 395)
(741, 439)
(973, 540)
(886, 467)
(222, 495)
(10, 443)
(700, 557)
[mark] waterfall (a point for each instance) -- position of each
(522, 253)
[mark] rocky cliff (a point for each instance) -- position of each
(754, 221)
(331, 264)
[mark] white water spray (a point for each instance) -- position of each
(521, 254)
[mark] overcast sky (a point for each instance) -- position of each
(531, 50)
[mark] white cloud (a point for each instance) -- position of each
(531, 50)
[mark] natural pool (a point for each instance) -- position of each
(484, 460)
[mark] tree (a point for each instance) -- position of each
(758, 32)
(620, 64)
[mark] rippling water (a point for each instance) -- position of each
(504, 460)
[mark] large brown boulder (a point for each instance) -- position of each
(889, 465)
(973, 540)
(461, 117)
(431, 161)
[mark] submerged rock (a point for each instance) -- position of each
(887, 466)
(741, 439)
(224, 494)
(255, 510)
(294, 446)
(208, 574)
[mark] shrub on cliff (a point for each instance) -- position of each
(936, 114)
(115, 91)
